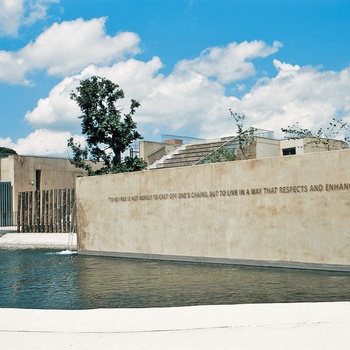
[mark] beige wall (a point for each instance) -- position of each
(312, 145)
(279, 211)
(153, 151)
(267, 148)
(323, 145)
(6, 170)
(21, 171)
(298, 144)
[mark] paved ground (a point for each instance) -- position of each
(264, 326)
(38, 240)
(311, 326)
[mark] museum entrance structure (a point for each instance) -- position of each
(290, 211)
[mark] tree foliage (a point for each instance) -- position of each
(109, 132)
(322, 137)
(222, 154)
(238, 144)
(337, 130)
(244, 136)
(4, 151)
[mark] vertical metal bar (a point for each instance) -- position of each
(68, 223)
(42, 226)
(23, 211)
(50, 211)
(30, 211)
(73, 211)
(36, 213)
(38, 198)
(64, 210)
(6, 203)
(19, 212)
(54, 214)
(47, 211)
(59, 206)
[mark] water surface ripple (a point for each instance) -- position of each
(41, 279)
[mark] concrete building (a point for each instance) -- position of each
(29, 173)
(151, 151)
(257, 144)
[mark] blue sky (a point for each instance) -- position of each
(186, 61)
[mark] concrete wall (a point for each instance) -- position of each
(6, 170)
(312, 145)
(153, 151)
(267, 148)
(298, 144)
(283, 211)
(21, 172)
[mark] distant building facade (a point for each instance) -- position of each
(259, 144)
(29, 173)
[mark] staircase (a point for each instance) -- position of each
(187, 155)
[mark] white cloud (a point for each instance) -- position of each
(7, 142)
(67, 48)
(44, 142)
(56, 111)
(14, 13)
(12, 69)
(11, 12)
(298, 94)
(285, 69)
(171, 102)
(59, 111)
(196, 99)
(185, 98)
(36, 10)
(229, 63)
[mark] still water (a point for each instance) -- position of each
(40, 279)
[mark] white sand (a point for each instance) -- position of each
(308, 326)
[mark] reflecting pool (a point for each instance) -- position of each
(41, 279)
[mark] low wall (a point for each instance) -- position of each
(283, 211)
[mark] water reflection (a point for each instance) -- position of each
(35, 279)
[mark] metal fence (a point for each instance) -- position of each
(185, 139)
(6, 215)
(8, 221)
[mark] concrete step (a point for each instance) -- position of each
(203, 146)
(190, 160)
(196, 151)
(190, 155)
(174, 165)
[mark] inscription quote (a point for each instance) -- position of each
(299, 189)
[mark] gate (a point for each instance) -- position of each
(46, 211)
(6, 214)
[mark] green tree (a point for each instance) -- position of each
(4, 151)
(244, 136)
(108, 131)
(222, 154)
(324, 138)
(235, 148)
